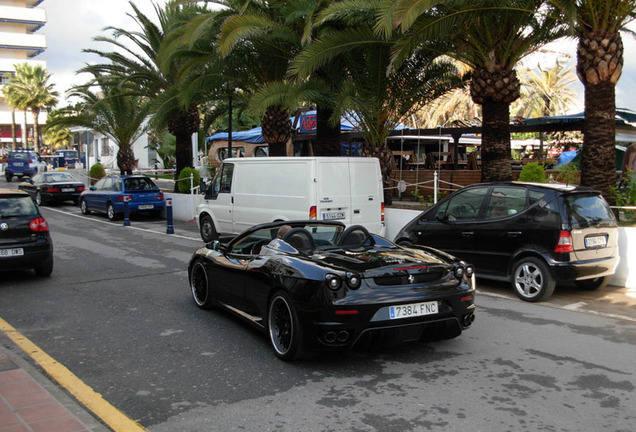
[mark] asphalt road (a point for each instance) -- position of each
(118, 313)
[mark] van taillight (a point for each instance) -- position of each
(564, 244)
(313, 212)
(39, 225)
(382, 212)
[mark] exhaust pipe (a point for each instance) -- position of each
(330, 337)
(468, 319)
(343, 336)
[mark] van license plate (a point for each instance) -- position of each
(412, 310)
(333, 215)
(598, 241)
(5, 253)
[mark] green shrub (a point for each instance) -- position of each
(532, 172)
(184, 179)
(96, 172)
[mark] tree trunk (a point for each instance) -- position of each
(598, 155)
(495, 146)
(327, 135)
(182, 126)
(13, 140)
(36, 131)
(125, 160)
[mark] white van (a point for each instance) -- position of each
(249, 191)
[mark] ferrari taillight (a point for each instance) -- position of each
(564, 244)
(39, 225)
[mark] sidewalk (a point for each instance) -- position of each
(30, 402)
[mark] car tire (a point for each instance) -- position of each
(8, 177)
(200, 286)
(207, 229)
(38, 198)
(531, 280)
(283, 328)
(593, 284)
(84, 207)
(45, 270)
(110, 212)
(75, 201)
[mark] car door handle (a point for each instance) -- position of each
(514, 233)
(468, 233)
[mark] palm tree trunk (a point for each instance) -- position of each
(598, 155)
(495, 147)
(327, 135)
(36, 131)
(13, 140)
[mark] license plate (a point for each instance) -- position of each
(598, 241)
(413, 310)
(68, 189)
(146, 207)
(333, 215)
(18, 164)
(5, 253)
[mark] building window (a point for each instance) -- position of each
(105, 147)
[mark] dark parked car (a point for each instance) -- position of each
(55, 186)
(533, 235)
(321, 287)
(65, 158)
(21, 163)
(25, 242)
(110, 192)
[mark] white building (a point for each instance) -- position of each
(19, 43)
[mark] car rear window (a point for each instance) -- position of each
(588, 210)
(12, 206)
(139, 184)
(19, 156)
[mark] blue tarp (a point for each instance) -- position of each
(566, 157)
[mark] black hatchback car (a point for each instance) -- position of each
(533, 235)
(25, 242)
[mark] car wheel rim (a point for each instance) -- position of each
(280, 325)
(38, 198)
(83, 206)
(207, 230)
(199, 284)
(111, 212)
(529, 280)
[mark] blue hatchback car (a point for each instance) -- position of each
(23, 163)
(110, 192)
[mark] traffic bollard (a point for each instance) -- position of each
(170, 228)
(126, 212)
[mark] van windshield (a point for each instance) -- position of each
(588, 210)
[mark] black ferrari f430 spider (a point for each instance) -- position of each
(321, 287)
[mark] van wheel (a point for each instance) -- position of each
(531, 280)
(592, 284)
(208, 232)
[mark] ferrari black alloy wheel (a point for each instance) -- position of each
(199, 286)
(284, 328)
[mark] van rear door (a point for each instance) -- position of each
(366, 194)
(332, 192)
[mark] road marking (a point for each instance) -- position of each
(574, 307)
(198, 240)
(115, 419)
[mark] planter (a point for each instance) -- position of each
(184, 206)
(624, 276)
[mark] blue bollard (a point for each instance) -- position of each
(126, 213)
(170, 228)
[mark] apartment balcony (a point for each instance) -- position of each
(32, 19)
(31, 44)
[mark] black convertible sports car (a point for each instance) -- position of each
(322, 287)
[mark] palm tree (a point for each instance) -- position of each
(375, 99)
(597, 25)
(29, 89)
(111, 110)
(489, 37)
(136, 61)
(56, 136)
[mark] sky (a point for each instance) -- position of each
(72, 25)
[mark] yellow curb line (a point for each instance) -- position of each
(94, 401)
